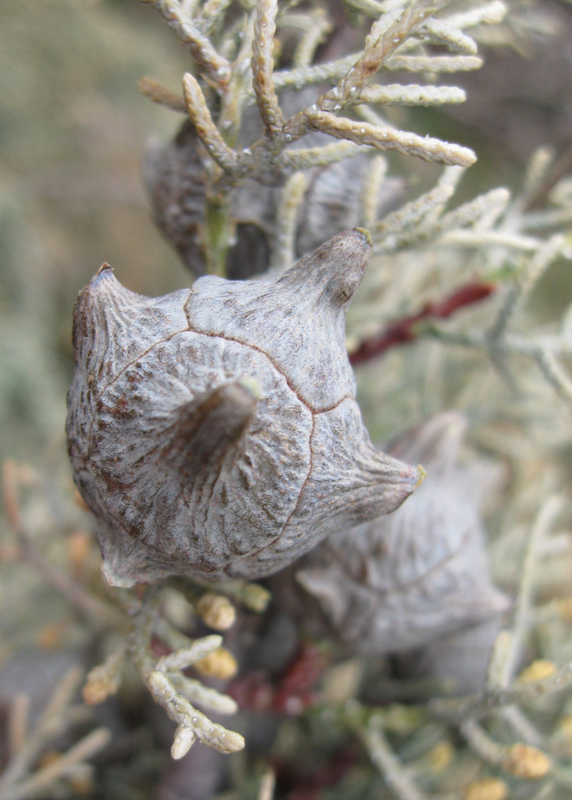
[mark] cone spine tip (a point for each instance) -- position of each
(422, 475)
(367, 234)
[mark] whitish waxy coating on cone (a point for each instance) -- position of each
(402, 581)
(214, 432)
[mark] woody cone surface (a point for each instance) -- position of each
(214, 432)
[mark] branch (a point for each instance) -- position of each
(380, 44)
(171, 690)
(209, 61)
(97, 611)
(207, 131)
(263, 67)
(58, 715)
(480, 705)
(411, 95)
(387, 138)
(291, 198)
(159, 94)
(404, 331)
(389, 765)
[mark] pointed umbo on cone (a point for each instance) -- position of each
(214, 432)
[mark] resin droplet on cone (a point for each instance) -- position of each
(214, 432)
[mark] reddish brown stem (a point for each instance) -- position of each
(403, 330)
(290, 693)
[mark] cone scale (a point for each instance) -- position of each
(214, 432)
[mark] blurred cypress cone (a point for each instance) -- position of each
(405, 580)
(176, 180)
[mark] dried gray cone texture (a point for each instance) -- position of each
(403, 581)
(214, 432)
(176, 181)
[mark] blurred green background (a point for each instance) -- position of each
(73, 128)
